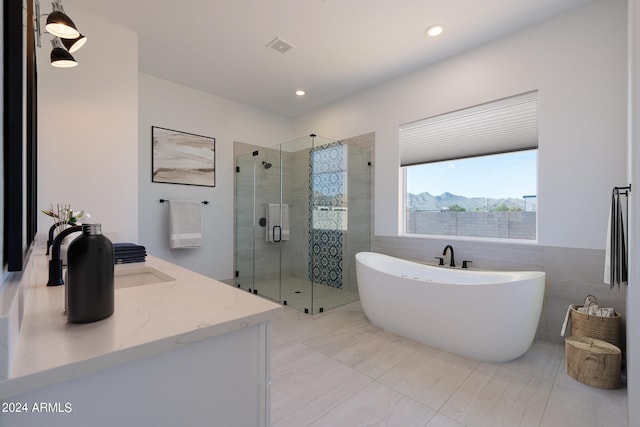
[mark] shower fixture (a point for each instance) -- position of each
(266, 165)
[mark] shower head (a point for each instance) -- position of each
(266, 165)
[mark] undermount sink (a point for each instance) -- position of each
(129, 276)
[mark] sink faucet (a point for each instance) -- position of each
(55, 263)
(453, 261)
(51, 231)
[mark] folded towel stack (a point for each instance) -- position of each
(129, 252)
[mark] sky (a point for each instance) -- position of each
(495, 176)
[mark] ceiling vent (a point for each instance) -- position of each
(280, 45)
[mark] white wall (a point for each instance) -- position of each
(580, 72)
(88, 128)
(177, 107)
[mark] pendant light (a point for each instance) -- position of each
(60, 57)
(67, 39)
(59, 24)
(73, 45)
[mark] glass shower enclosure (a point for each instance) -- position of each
(303, 210)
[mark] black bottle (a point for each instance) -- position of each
(90, 289)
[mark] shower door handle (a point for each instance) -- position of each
(273, 233)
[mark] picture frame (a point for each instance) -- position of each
(182, 158)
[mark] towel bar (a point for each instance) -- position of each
(621, 190)
(204, 202)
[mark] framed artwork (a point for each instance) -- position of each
(182, 158)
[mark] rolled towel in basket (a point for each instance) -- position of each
(595, 310)
(591, 308)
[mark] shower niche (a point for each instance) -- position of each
(303, 210)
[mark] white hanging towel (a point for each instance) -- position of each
(185, 224)
(277, 225)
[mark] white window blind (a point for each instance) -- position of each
(501, 126)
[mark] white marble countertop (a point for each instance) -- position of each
(148, 319)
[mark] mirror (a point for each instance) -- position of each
(20, 134)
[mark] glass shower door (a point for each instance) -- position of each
(268, 230)
(244, 222)
(257, 254)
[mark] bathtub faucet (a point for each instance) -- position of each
(453, 261)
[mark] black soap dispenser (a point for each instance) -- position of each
(90, 288)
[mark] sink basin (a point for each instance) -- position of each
(128, 276)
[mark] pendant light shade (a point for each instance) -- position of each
(66, 37)
(60, 25)
(60, 57)
(73, 45)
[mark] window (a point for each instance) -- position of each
(473, 172)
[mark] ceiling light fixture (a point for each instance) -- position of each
(59, 24)
(434, 30)
(60, 57)
(300, 92)
(66, 39)
(73, 45)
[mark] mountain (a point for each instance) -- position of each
(428, 202)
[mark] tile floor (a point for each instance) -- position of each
(336, 369)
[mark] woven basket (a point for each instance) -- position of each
(593, 362)
(602, 328)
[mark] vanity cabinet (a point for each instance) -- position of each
(187, 351)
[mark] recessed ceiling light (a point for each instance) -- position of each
(434, 30)
(300, 92)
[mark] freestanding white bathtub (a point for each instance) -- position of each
(481, 315)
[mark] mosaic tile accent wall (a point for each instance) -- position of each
(327, 213)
